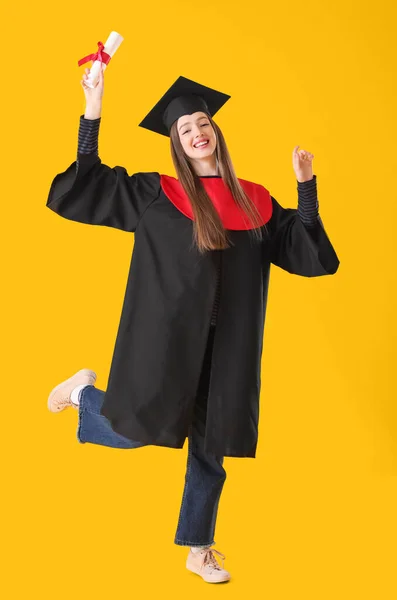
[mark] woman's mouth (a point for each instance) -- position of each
(200, 145)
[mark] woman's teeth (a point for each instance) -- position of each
(201, 144)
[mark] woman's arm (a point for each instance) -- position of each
(307, 202)
(88, 136)
(298, 241)
(93, 193)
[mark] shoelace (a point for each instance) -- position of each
(64, 400)
(209, 558)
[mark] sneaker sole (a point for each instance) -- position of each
(208, 580)
(79, 377)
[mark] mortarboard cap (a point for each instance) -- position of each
(184, 97)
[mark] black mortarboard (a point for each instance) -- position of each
(184, 97)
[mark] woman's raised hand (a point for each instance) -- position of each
(94, 95)
(302, 163)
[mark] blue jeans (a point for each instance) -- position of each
(204, 476)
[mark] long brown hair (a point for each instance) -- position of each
(208, 230)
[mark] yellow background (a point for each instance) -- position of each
(314, 515)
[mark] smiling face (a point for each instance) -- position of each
(193, 129)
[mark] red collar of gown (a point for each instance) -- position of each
(232, 216)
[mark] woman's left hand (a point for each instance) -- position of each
(302, 162)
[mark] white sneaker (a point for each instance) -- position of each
(59, 397)
(204, 563)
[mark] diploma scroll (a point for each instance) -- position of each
(105, 52)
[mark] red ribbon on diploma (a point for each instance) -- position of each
(98, 55)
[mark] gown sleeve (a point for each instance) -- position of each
(93, 193)
(298, 241)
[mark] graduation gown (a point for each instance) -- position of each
(170, 294)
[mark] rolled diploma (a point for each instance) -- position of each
(112, 43)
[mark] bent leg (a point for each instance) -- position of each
(94, 427)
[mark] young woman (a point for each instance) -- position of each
(187, 356)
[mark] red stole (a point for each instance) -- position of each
(232, 216)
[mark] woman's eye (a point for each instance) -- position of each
(187, 130)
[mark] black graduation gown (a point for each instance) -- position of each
(170, 293)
